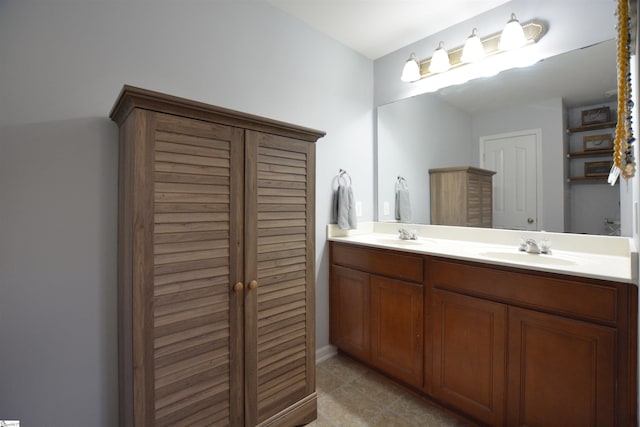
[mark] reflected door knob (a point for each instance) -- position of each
(530, 220)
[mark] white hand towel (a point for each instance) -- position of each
(346, 208)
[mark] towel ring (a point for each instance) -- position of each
(401, 182)
(341, 175)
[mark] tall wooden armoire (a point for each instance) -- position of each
(216, 268)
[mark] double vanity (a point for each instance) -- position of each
(499, 335)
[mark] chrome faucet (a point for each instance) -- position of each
(532, 247)
(407, 235)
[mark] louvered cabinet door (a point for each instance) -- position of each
(195, 317)
(279, 256)
(197, 256)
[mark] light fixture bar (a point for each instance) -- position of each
(533, 31)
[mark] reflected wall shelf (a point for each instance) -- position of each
(604, 154)
(588, 179)
(595, 126)
(591, 153)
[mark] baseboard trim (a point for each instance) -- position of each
(326, 352)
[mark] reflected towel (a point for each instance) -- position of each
(403, 201)
(334, 206)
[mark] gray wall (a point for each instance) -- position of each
(63, 64)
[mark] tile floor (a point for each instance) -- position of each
(352, 395)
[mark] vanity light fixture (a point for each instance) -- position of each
(440, 60)
(512, 36)
(475, 49)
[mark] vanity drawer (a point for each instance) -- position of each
(576, 298)
(381, 262)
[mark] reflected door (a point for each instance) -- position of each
(514, 158)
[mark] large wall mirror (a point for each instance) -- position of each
(445, 129)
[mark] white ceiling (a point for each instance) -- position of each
(378, 27)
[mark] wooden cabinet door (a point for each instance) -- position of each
(279, 257)
(188, 322)
(349, 327)
(469, 347)
(396, 328)
(561, 371)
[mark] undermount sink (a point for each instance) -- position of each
(528, 258)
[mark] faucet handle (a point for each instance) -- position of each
(545, 246)
(523, 244)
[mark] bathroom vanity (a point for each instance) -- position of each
(500, 336)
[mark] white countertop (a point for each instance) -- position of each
(598, 257)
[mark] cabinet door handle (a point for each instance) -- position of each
(238, 287)
(253, 284)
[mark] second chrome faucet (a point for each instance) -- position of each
(531, 246)
(407, 234)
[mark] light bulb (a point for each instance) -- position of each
(512, 36)
(473, 49)
(440, 60)
(411, 70)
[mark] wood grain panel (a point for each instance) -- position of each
(170, 167)
(191, 178)
(203, 141)
(126, 310)
(469, 355)
(573, 385)
(203, 149)
(282, 202)
(186, 130)
(387, 263)
(190, 327)
(191, 267)
(192, 160)
(593, 301)
(349, 316)
(396, 328)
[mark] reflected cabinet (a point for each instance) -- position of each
(461, 196)
(216, 265)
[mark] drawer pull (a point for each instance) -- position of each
(253, 284)
(238, 287)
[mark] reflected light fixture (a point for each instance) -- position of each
(473, 49)
(411, 70)
(440, 60)
(512, 36)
